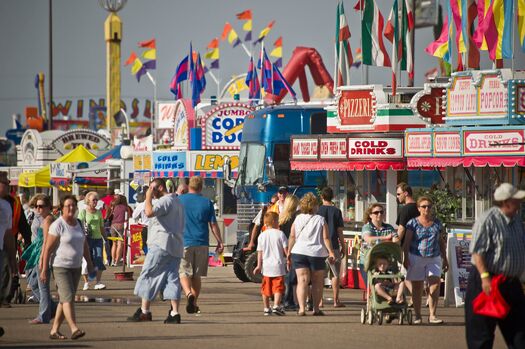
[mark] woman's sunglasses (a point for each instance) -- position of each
(426, 206)
(40, 206)
(377, 212)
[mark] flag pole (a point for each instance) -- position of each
(364, 67)
(154, 114)
(513, 37)
(245, 49)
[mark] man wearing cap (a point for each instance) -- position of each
(498, 247)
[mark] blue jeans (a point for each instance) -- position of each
(46, 307)
(32, 281)
(95, 250)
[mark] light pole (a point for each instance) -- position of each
(113, 37)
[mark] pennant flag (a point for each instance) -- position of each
(458, 13)
(440, 47)
(198, 80)
(265, 66)
(213, 53)
(229, 33)
(486, 34)
(343, 52)
(264, 32)
(408, 26)
(374, 51)
(148, 44)
(247, 26)
(278, 52)
(252, 82)
(359, 5)
(503, 19)
(358, 58)
(279, 83)
(393, 35)
(181, 74)
(131, 59)
(521, 23)
(473, 51)
(138, 69)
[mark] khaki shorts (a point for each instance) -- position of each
(194, 262)
(67, 282)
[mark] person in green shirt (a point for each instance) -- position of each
(93, 224)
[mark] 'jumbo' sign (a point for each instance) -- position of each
(223, 126)
(375, 148)
(355, 107)
(493, 142)
(169, 161)
(305, 149)
(72, 139)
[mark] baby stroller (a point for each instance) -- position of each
(377, 307)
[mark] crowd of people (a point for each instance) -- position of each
(296, 240)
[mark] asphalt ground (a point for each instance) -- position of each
(231, 317)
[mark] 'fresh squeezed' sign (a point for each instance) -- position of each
(223, 126)
(169, 161)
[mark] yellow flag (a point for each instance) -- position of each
(213, 54)
(247, 26)
(137, 65)
(150, 54)
(277, 52)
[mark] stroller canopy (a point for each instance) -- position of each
(390, 250)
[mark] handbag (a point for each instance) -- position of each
(493, 304)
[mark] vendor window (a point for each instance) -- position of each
(344, 194)
(375, 187)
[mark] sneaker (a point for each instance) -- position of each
(99, 286)
(139, 316)
(291, 307)
(172, 319)
(435, 321)
(267, 312)
(86, 286)
(191, 306)
(417, 321)
(309, 305)
(32, 300)
(278, 311)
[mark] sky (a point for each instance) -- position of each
(79, 48)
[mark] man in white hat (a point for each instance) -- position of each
(498, 247)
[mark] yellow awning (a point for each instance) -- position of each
(79, 154)
(39, 178)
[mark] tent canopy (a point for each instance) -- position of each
(112, 154)
(39, 178)
(79, 154)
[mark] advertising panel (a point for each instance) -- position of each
(462, 97)
(223, 126)
(169, 161)
(305, 149)
(494, 142)
(459, 259)
(375, 148)
(356, 107)
(136, 254)
(492, 96)
(212, 161)
(333, 148)
(91, 140)
(447, 143)
(418, 143)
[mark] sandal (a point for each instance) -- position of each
(57, 335)
(339, 305)
(78, 334)
(318, 313)
(301, 313)
(191, 306)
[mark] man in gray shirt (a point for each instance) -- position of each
(497, 247)
(165, 250)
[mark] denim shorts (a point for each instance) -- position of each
(159, 273)
(300, 261)
(95, 250)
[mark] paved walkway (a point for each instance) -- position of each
(231, 318)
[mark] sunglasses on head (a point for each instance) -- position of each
(377, 212)
(426, 206)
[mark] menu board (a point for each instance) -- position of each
(460, 264)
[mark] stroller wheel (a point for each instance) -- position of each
(370, 318)
(363, 316)
(401, 317)
(380, 317)
(409, 317)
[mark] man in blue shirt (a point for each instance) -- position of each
(199, 214)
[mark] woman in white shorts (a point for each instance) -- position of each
(425, 257)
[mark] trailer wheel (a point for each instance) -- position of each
(238, 269)
(249, 266)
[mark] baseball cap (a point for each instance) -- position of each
(507, 191)
(118, 192)
(283, 189)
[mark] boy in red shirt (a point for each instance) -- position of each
(271, 261)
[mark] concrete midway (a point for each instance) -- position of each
(231, 317)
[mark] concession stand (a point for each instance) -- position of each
(481, 145)
(205, 141)
(363, 153)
